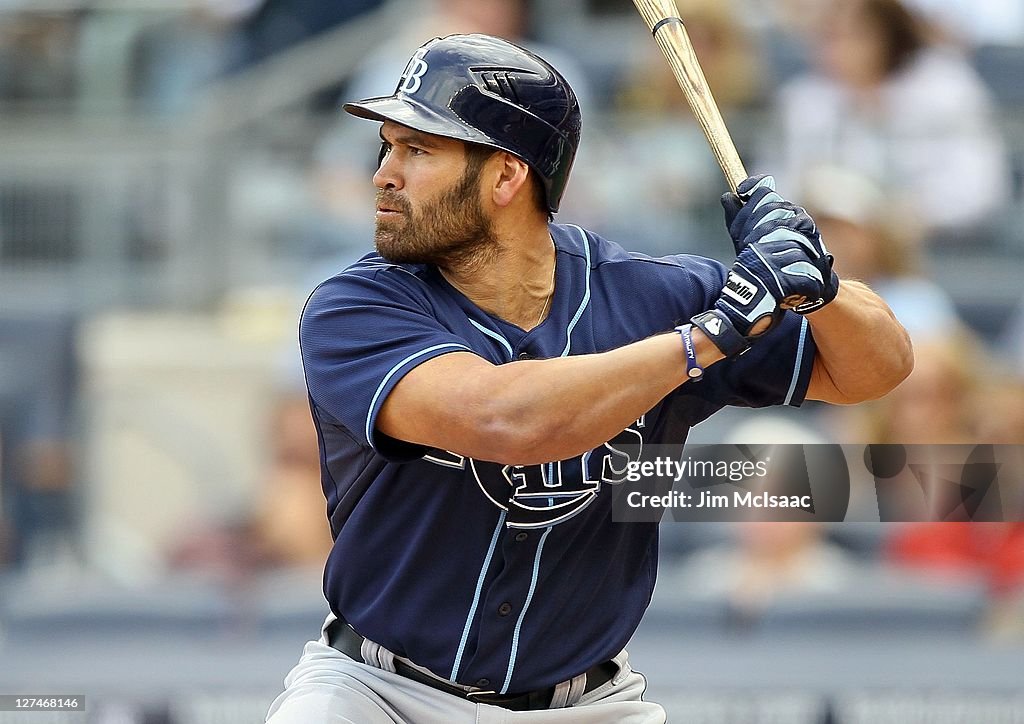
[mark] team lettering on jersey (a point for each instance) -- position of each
(536, 496)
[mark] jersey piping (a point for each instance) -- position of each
(476, 595)
(799, 361)
(391, 373)
(522, 615)
(586, 292)
(495, 336)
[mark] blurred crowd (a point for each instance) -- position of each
(891, 120)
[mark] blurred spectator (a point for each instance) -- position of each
(379, 73)
(995, 22)
(286, 527)
(938, 405)
(277, 25)
(756, 564)
(791, 18)
(37, 55)
(955, 396)
(933, 406)
(1012, 340)
(884, 101)
(991, 552)
(727, 56)
(965, 548)
(174, 59)
(335, 225)
(779, 561)
(37, 386)
(999, 408)
(877, 242)
(289, 519)
(784, 29)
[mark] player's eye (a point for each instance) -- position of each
(416, 151)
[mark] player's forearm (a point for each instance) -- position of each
(862, 349)
(558, 408)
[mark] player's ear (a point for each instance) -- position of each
(512, 178)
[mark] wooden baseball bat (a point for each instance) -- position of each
(662, 17)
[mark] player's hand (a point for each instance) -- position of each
(738, 211)
(748, 307)
(791, 251)
(744, 311)
(750, 298)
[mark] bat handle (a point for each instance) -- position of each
(731, 165)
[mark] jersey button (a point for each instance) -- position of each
(525, 355)
(505, 609)
(483, 682)
(520, 537)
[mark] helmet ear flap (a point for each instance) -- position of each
(542, 145)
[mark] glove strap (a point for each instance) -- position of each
(721, 332)
(693, 369)
(830, 293)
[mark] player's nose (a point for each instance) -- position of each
(388, 173)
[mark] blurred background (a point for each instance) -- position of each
(175, 177)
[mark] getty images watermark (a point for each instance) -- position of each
(733, 471)
(821, 483)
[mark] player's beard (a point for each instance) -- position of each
(450, 230)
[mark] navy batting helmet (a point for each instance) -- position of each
(485, 90)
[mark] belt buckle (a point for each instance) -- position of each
(532, 701)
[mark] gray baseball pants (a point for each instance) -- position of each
(327, 687)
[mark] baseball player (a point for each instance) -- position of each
(466, 377)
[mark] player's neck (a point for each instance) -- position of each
(516, 282)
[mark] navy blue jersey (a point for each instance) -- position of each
(506, 577)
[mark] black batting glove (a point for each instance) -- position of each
(781, 263)
(791, 250)
(748, 307)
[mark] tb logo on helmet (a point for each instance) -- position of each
(412, 79)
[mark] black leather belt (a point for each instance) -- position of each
(343, 637)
